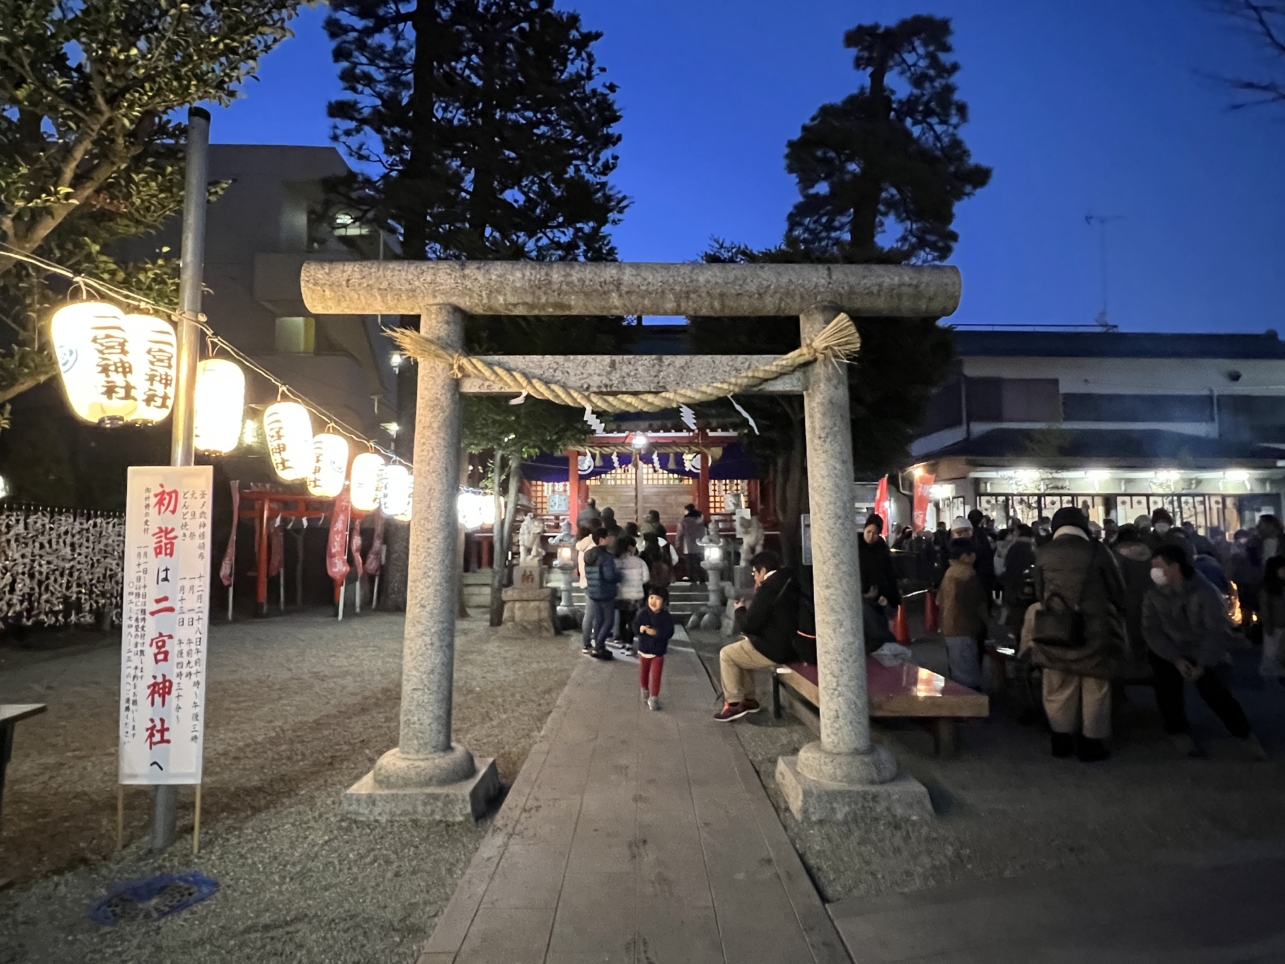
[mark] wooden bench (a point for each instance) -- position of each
(898, 690)
(10, 714)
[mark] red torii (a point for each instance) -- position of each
(262, 504)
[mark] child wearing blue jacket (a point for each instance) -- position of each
(653, 628)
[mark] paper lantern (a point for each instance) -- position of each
(475, 510)
(398, 489)
(220, 405)
(329, 465)
(367, 481)
(116, 368)
(287, 428)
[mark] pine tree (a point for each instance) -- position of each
(482, 127)
(882, 170)
(482, 130)
(879, 176)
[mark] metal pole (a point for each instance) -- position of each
(192, 262)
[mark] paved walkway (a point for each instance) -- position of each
(636, 836)
(1215, 907)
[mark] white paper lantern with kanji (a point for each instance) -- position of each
(287, 429)
(329, 465)
(367, 482)
(220, 405)
(116, 368)
(154, 347)
(398, 490)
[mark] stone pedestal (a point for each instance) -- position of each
(456, 802)
(528, 611)
(901, 797)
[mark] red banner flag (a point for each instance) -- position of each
(337, 544)
(881, 505)
(354, 547)
(375, 557)
(923, 498)
(229, 554)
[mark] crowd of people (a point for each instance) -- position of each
(626, 572)
(1094, 606)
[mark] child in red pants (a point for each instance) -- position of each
(653, 628)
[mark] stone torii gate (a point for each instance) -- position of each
(427, 774)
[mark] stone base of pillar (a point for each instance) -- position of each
(814, 800)
(466, 799)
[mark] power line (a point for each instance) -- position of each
(212, 338)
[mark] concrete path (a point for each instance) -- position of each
(1218, 907)
(636, 836)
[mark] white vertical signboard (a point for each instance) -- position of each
(165, 624)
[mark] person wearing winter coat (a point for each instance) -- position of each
(630, 592)
(1081, 638)
(1019, 557)
(654, 627)
(1187, 630)
(1271, 601)
(985, 550)
(878, 577)
(584, 543)
(691, 529)
(652, 526)
(589, 515)
(601, 579)
(770, 626)
(1133, 557)
(964, 609)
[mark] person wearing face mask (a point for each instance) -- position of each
(1078, 635)
(1187, 631)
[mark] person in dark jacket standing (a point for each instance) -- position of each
(770, 624)
(654, 627)
(984, 550)
(601, 578)
(1133, 556)
(691, 529)
(1018, 561)
(1080, 637)
(878, 577)
(1187, 630)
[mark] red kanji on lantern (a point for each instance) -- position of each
(159, 689)
(163, 540)
(157, 732)
(166, 501)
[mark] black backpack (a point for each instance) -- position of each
(805, 639)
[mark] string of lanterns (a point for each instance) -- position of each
(120, 369)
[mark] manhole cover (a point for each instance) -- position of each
(151, 898)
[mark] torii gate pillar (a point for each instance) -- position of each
(427, 775)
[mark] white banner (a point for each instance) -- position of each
(165, 624)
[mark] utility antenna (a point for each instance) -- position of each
(1102, 220)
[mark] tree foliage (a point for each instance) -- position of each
(881, 171)
(879, 176)
(482, 128)
(90, 149)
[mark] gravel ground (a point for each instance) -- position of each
(1005, 807)
(299, 708)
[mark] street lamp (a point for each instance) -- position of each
(564, 547)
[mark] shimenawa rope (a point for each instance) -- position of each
(838, 342)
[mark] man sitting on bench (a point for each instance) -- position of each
(770, 626)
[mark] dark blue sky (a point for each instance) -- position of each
(1093, 106)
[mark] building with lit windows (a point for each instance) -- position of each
(1117, 423)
